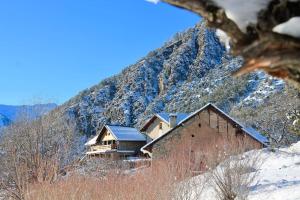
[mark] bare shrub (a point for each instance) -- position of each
(115, 186)
(232, 179)
(33, 151)
(167, 178)
(217, 159)
(170, 177)
(234, 173)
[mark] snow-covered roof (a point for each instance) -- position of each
(92, 141)
(120, 133)
(250, 131)
(101, 151)
(166, 116)
(108, 151)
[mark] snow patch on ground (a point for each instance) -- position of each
(278, 176)
(265, 85)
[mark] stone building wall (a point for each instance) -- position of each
(206, 131)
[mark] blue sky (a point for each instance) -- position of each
(53, 49)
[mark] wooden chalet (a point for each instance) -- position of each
(115, 142)
(204, 127)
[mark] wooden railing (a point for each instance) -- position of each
(103, 147)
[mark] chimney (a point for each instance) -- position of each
(173, 120)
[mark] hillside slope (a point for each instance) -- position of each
(183, 75)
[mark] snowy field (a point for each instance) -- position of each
(278, 176)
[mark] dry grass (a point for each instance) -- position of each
(34, 176)
(167, 178)
(158, 183)
(232, 179)
(33, 152)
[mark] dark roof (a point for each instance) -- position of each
(120, 133)
(255, 134)
(250, 131)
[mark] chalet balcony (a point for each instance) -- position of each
(103, 147)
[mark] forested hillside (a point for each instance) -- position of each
(184, 74)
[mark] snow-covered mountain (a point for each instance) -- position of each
(181, 76)
(4, 121)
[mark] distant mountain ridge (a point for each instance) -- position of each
(9, 113)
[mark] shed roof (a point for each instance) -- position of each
(92, 141)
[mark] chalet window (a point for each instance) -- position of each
(160, 125)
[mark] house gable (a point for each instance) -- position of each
(208, 124)
(156, 128)
(154, 119)
(105, 135)
(159, 124)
